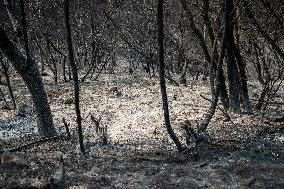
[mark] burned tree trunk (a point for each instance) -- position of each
(160, 24)
(75, 74)
(232, 69)
(209, 115)
(29, 71)
(243, 80)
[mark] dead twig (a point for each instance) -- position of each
(274, 103)
(101, 131)
(66, 125)
(37, 142)
(277, 119)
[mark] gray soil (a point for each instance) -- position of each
(246, 153)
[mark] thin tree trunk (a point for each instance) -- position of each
(223, 90)
(237, 27)
(243, 79)
(49, 42)
(75, 74)
(160, 24)
(258, 66)
(7, 78)
(93, 59)
(55, 71)
(213, 65)
(64, 69)
(209, 115)
(207, 22)
(195, 31)
(42, 56)
(25, 32)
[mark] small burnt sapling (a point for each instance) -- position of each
(24, 110)
(182, 81)
(190, 136)
(101, 131)
(130, 71)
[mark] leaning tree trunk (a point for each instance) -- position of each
(196, 32)
(29, 72)
(35, 85)
(209, 115)
(160, 24)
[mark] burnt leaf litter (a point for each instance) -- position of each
(135, 150)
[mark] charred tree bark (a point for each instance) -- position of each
(14, 12)
(42, 56)
(224, 97)
(54, 69)
(207, 21)
(258, 66)
(25, 32)
(243, 80)
(232, 69)
(29, 72)
(209, 115)
(28, 69)
(160, 24)
(75, 74)
(213, 66)
(64, 69)
(93, 59)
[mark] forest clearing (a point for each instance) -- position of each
(139, 153)
(141, 94)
